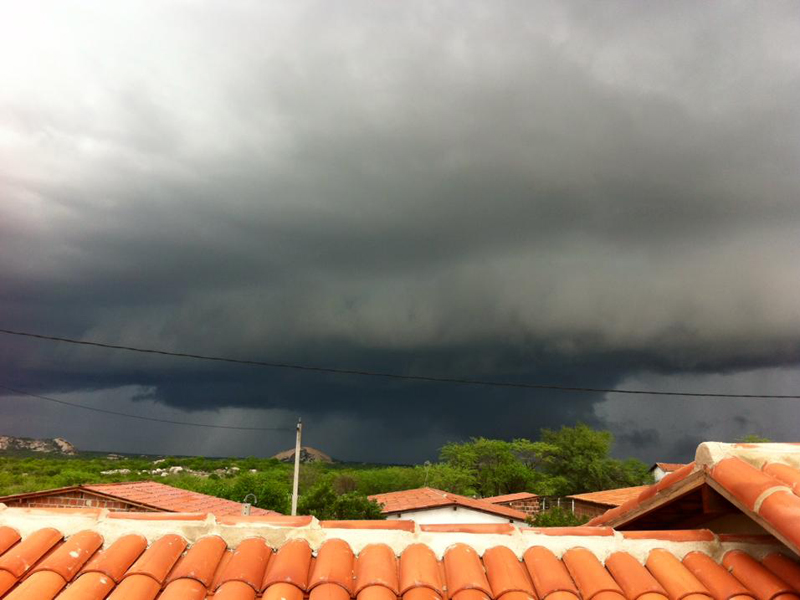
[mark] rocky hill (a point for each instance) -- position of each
(307, 455)
(12, 444)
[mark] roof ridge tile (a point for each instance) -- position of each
(464, 570)
(248, 563)
(334, 564)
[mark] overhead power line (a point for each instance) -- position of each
(130, 416)
(386, 375)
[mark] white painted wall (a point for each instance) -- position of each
(447, 516)
(658, 474)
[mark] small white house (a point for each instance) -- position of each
(429, 506)
(661, 470)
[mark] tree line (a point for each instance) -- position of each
(559, 462)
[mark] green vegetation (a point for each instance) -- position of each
(571, 460)
(566, 461)
(557, 517)
(323, 502)
(753, 438)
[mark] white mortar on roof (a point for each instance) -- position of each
(710, 453)
(26, 521)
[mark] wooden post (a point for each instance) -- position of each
(296, 482)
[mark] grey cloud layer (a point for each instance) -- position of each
(465, 187)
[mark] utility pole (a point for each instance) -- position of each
(296, 483)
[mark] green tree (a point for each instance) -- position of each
(493, 464)
(752, 438)
(272, 493)
(324, 503)
(502, 467)
(557, 517)
(579, 456)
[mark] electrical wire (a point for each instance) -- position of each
(130, 416)
(387, 375)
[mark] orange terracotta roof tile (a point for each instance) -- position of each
(8, 537)
(283, 591)
(674, 577)
(136, 587)
(591, 577)
(159, 558)
(761, 480)
(149, 495)
(420, 569)
(67, 560)
(548, 574)
(716, 578)
(43, 585)
(184, 589)
(334, 564)
(248, 563)
(172, 499)
(464, 571)
(235, 590)
(20, 558)
(426, 498)
(614, 497)
(762, 582)
(505, 572)
(377, 566)
(634, 579)
(395, 524)
(783, 567)
(201, 561)
(114, 561)
(291, 564)
(376, 592)
(89, 586)
(108, 559)
(510, 497)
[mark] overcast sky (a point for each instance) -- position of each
(598, 194)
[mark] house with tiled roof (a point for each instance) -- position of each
(135, 496)
(660, 470)
(96, 554)
(592, 504)
(522, 501)
(429, 505)
(751, 489)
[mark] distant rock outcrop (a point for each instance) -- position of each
(20, 444)
(307, 455)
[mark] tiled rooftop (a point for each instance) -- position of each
(153, 495)
(761, 480)
(611, 497)
(423, 498)
(94, 555)
(168, 498)
(510, 497)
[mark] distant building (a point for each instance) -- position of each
(660, 470)
(522, 501)
(593, 504)
(431, 506)
(136, 496)
(726, 527)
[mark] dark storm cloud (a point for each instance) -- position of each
(566, 192)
